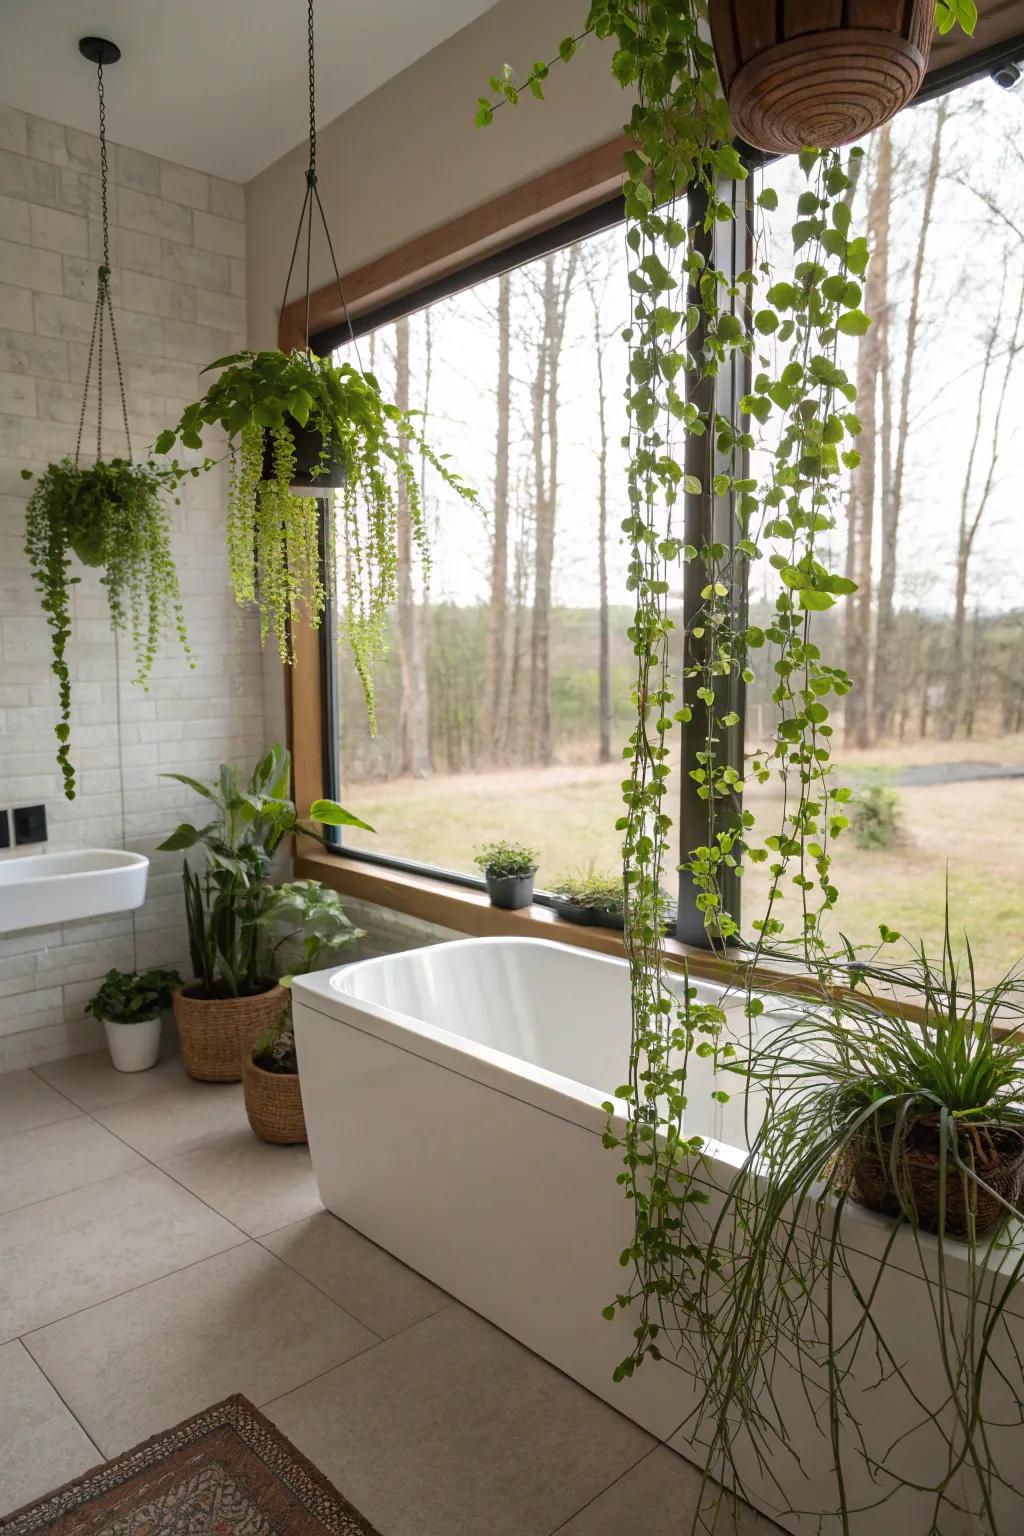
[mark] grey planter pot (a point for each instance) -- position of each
(308, 443)
(510, 892)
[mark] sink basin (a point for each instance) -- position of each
(49, 888)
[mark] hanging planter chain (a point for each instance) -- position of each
(306, 213)
(104, 304)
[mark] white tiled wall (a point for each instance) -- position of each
(178, 249)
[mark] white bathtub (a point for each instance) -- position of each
(453, 1101)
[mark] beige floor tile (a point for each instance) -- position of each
(666, 1488)
(452, 1429)
(80, 1248)
(26, 1102)
(92, 1083)
(185, 1117)
(43, 1446)
(240, 1322)
(257, 1186)
(361, 1277)
(55, 1158)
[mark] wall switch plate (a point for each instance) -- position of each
(30, 824)
(5, 830)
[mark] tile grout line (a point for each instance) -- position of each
(607, 1489)
(61, 1398)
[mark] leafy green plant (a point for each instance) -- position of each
(506, 861)
(274, 1049)
(274, 553)
(874, 812)
(111, 516)
(130, 997)
(234, 914)
(603, 892)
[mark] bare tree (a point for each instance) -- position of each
(556, 291)
(596, 292)
(497, 623)
(414, 733)
(974, 503)
(892, 500)
(870, 368)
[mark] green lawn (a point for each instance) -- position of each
(567, 812)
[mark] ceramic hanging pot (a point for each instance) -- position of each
(308, 445)
(818, 72)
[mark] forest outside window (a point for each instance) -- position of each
(504, 702)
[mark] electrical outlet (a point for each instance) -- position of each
(5, 830)
(30, 824)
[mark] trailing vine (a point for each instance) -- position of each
(691, 320)
(111, 516)
(262, 399)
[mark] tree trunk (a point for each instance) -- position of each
(414, 757)
(873, 347)
(604, 683)
(892, 506)
(497, 621)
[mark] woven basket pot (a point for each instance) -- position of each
(273, 1102)
(998, 1152)
(818, 72)
(216, 1033)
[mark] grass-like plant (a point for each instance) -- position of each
(936, 1109)
(274, 537)
(110, 515)
(602, 892)
(506, 861)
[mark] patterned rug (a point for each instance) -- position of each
(227, 1472)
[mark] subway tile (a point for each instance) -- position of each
(178, 184)
(195, 343)
(16, 308)
(237, 286)
(45, 140)
(227, 199)
(131, 250)
(28, 268)
(80, 279)
(31, 179)
(81, 193)
(158, 296)
(15, 219)
(202, 269)
(17, 394)
(150, 215)
(225, 236)
(219, 309)
(13, 131)
(38, 355)
(55, 230)
(133, 168)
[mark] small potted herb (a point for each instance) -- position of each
(590, 898)
(129, 1004)
(508, 870)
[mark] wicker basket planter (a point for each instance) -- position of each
(998, 1153)
(821, 72)
(216, 1033)
(273, 1102)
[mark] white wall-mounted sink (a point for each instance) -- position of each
(49, 888)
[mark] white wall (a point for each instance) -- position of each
(179, 291)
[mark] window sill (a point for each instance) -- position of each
(470, 912)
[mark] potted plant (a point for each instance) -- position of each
(232, 911)
(110, 515)
(129, 1004)
(299, 426)
(780, 72)
(508, 870)
(273, 1097)
(308, 922)
(590, 898)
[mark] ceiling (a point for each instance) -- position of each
(998, 22)
(219, 85)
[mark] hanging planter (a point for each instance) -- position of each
(300, 428)
(821, 74)
(110, 515)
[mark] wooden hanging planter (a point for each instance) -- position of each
(818, 72)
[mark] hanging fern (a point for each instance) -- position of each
(274, 554)
(110, 515)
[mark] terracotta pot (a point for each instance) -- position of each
(998, 1153)
(818, 72)
(273, 1102)
(216, 1033)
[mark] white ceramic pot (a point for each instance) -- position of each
(133, 1047)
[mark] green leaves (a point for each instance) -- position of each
(330, 814)
(956, 13)
(854, 323)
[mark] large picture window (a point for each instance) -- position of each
(504, 700)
